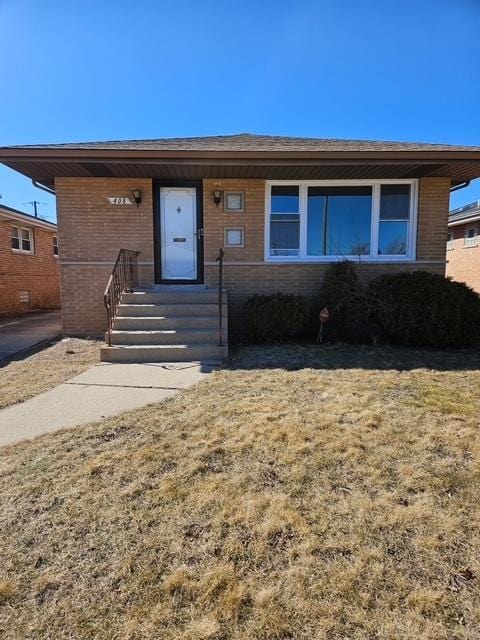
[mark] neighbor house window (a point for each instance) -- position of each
(321, 221)
(27, 240)
(55, 245)
(22, 240)
(449, 241)
(470, 239)
(16, 238)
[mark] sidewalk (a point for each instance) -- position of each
(102, 391)
(18, 334)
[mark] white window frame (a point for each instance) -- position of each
(470, 242)
(31, 251)
(450, 241)
(375, 221)
(55, 245)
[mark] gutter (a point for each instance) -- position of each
(43, 187)
(462, 185)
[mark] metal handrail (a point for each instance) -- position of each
(219, 259)
(124, 277)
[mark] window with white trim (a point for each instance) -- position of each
(394, 219)
(450, 243)
(22, 239)
(470, 238)
(321, 221)
(285, 220)
(55, 245)
(15, 238)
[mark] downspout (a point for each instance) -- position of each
(43, 187)
(462, 185)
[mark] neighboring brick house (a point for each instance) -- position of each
(29, 269)
(463, 247)
(281, 208)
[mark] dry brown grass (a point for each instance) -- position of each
(21, 379)
(260, 504)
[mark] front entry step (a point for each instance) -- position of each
(164, 296)
(175, 309)
(168, 336)
(150, 323)
(164, 353)
(170, 324)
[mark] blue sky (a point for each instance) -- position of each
(104, 69)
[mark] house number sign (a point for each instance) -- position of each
(119, 200)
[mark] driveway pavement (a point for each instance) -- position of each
(22, 333)
(104, 390)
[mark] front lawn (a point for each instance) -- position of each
(267, 502)
(28, 376)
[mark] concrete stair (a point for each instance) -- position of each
(168, 324)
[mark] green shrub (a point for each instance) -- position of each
(349, 304)
(424, 309)
(275, 318)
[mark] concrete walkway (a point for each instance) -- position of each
(103, 390)
(18, 334)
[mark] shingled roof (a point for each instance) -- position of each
(243, 156)
(244, 142)
(465, 213)
(11, 214)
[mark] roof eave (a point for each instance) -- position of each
(466, 220)
(13, 154)
(26, 219)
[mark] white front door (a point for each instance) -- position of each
(178, 227)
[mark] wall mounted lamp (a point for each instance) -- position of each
(217, 197)
(137, 196)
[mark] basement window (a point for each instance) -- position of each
(24, 297)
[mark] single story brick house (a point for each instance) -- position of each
(463, 247)
(280, 208)
(29, 269)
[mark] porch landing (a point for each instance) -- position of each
(169, 323)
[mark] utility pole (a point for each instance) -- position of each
(34, 203)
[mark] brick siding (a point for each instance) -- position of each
(37, 273)
(432, 225)
(92, 231)
(463, 263)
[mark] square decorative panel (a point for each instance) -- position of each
(234, 201)
(234, 237)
